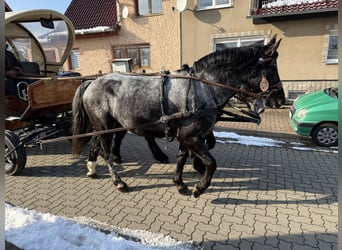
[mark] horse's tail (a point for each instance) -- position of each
(80, 120)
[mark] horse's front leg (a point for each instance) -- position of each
(106, 141)
(210, 141)
(210, 163)
(198, 147)
(158, 154)
(183, 154)
(198, 164)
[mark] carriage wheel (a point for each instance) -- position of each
(16, 161)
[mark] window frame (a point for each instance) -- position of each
(149, 7)
(332, 34)
(238, 40)
(214, 5)
(123, 52)
(75, 53)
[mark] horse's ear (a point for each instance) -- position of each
(272, 46)
(273, 40)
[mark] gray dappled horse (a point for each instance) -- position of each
(95, 148)
(182, 107)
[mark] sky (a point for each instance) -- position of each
(27, 228)
(59, 5)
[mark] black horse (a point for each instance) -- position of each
(181, 107)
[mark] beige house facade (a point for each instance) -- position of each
(308, 51)
(149, 35)
(164, 34)
(304, 47)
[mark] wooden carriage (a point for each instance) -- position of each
(41, 40)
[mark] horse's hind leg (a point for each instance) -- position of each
(93, 153)
(158, 154)
(117, 145)
(106, 141)
(183, 154)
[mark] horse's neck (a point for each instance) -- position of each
(219, 94)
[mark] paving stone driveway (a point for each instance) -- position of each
(260, 197)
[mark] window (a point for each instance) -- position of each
(75, 59)
(332, 53)
(231, 42)
(149, 7)
(210, 4)
(140, 55)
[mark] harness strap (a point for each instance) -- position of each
(163, 103)
(186, 114)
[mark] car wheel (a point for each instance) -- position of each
(15, 161)
(325, 134)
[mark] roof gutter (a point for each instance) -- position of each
(94, 30)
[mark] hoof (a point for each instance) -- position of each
(164, 161)
(183, 189)
(121, 186)
(162, 158)
(197, 191)
(92, 176)
(118, 160)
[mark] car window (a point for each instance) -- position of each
(333, 92)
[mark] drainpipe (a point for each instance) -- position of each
(181, 38)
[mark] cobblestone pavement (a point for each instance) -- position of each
(259, 198)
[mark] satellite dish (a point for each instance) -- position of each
(181, 5)
(124, 12)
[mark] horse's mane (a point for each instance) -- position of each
(228, 59)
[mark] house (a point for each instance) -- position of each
(151, 35)
(144, 34)
(308, 52)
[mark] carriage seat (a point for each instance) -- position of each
(31, 68)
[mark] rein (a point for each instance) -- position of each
(165, 118)
(216, 84)
(35, 77)
(275, 87)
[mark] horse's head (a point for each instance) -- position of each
(252, 68)
(264, 78)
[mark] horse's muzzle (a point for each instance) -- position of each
(259, 105)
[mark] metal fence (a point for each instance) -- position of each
(295, 88)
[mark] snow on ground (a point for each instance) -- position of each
(28, 229)
(230, 137)
(32, 230)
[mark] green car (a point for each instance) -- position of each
(316, 115)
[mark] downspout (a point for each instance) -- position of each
(181, 38)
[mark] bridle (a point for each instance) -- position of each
(264, 85)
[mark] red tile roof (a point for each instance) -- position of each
(86, 14)
(315, 6)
